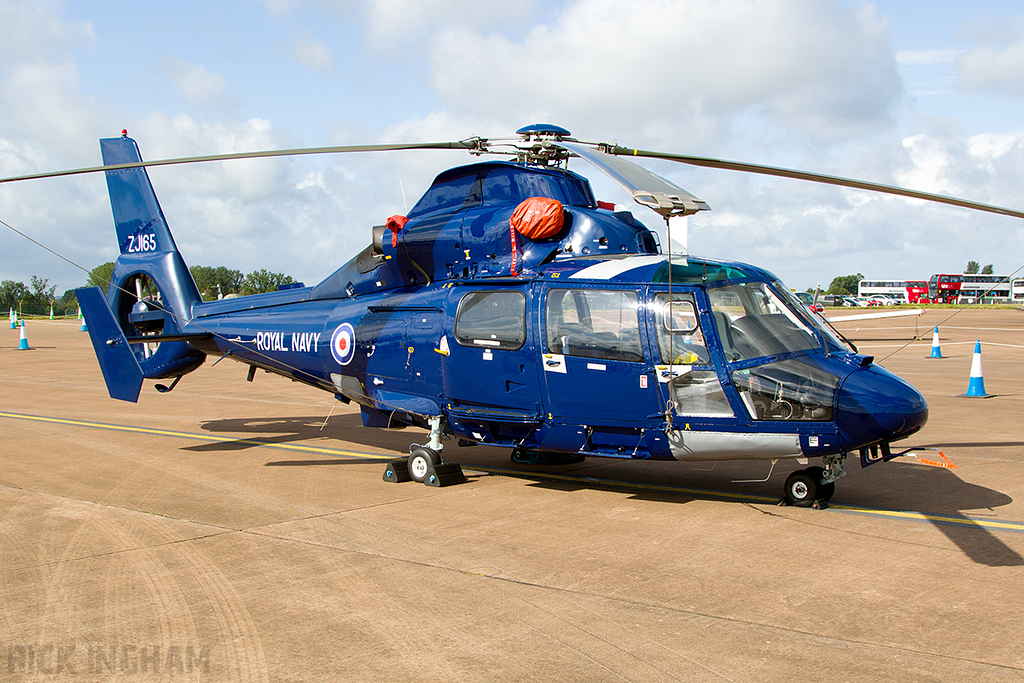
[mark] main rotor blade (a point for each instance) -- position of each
(745, 167)
(465, 144)
(648, 189)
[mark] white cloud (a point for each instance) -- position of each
(401, 20)
(819, 67)
(994, 69)
(197, 84)
(304, 47)
(32, 30)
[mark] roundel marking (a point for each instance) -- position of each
(343, 343)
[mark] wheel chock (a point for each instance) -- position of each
(445, 474)
(396, 472)
(819, 504)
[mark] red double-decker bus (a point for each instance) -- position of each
(917, 290)
(944, 289)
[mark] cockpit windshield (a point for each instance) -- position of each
(753, 321)
(831, 336)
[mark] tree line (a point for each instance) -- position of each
(34, 298)
(972, 269)
(39, 295)
(214, 282)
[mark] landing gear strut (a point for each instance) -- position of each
(813, 486)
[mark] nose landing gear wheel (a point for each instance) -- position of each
(825, 491)
(804, 488)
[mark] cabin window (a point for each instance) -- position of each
(594, 323)
(493, 320)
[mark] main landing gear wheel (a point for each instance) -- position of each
(421, 461)
(804, 487)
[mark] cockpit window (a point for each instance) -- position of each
(686, 363)
(680, 339)
(752, 321)
(788, 390)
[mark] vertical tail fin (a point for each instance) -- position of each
(138, 218)
(151, 290)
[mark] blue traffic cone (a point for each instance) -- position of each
(84, 327)
(976, 387)
(936, 350)
(14, 321)
(23, 344)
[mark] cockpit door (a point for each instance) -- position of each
(687, 376)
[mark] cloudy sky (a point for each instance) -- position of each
(929, 95)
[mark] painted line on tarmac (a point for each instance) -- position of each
(987, 329)
(906, 515)
(928, 345)
(198, 437)
(950, 520)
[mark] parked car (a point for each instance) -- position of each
(808, 300)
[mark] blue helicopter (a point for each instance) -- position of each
(511, 308)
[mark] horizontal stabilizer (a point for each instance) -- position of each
(120, 368)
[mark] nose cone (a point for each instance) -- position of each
(876, 405)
